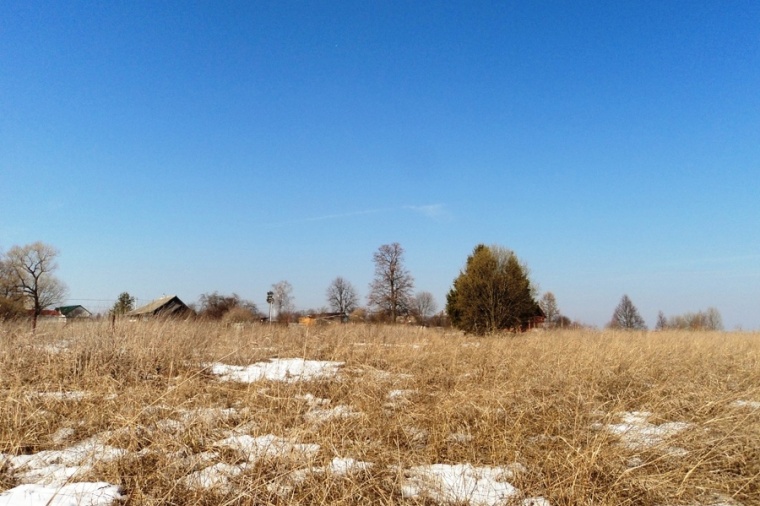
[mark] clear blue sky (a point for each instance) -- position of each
(189, 147)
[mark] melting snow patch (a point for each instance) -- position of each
(279, 369)
(535, 501)
(459, 438)
(217, 475)
(746, 404)
(460, 484)
(637, 433)
(57, 467)
(255, 448)
(73, 494)
(62, 435)
(63, 396)
(320, 415)
(312, 401)
(338, 467)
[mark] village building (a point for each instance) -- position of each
(74, 312)
(166, 306)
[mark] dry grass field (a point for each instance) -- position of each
(155, 413)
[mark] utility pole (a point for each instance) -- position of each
(270, 300)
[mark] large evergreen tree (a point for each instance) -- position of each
(492, 293)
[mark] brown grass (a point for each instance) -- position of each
(539, 399)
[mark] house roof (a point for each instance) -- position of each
(168, 304)
(49, 312)
(66, 310)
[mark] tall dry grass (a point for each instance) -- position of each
(541, 399)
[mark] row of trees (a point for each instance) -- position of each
(709, 319)
(493, 292)
(627, 317)
(390, 295)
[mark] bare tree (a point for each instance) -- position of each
(341, 296)
(709, 319)
(713, 319)
(11, 301)
(215, 306)
(548, 304)
(662, 322)
(424, 305)
(283, 299)
(31, 270)
(626, 316)
(391, 290)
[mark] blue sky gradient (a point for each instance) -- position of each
(190, 147)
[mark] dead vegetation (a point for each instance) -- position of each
(585, 417)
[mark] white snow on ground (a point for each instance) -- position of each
(49, 477)
(321, 415)
(277, 369)
(255, 448)
(338, 467)
(747, 404)
(73, 494)
(216, 476)
(460, 484)
(398, 398)
(637, 433)
(62, 435)
(58, 467)
(63, 396)
(46, 476)
(312, 401)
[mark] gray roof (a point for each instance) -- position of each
(166, 305)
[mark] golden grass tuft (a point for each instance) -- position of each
(414, 396)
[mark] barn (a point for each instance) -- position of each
(169, 305)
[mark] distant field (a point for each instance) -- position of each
(198, 413)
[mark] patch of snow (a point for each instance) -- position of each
(278, 369)
(62, 435)
(76, 395)
(312, 401)
(255, 448)
(338, 467)
(57, 467)
(396, 395)
(325, 415)
(72, 494)
(345, 466)
(535, 501)
(207, 415)
(637, 433)
(217, 475)
(460, 484)
(746, 404)
(198, 459)
(417, 435)
(459, 437)
(169, 426)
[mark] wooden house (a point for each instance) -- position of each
(74, 312)
(166, 306)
